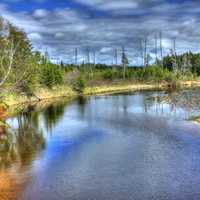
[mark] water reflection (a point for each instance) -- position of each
(22, 144)
(53, 114)
(189, 100)
(25, 139)
(66, 141)
(18, 148)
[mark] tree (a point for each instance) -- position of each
(51, 75)
(6, 54)
(18, 67)
(125, 62)
(161, 48)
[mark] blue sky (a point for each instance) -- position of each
(60, 26)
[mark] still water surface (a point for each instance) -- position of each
(133, 146)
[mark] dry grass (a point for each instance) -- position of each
(193, 83)
(123, 88)
(100, 88)
(41, 93)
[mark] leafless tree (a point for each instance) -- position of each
(124, 62)
(76, 56)
(116, 57)
(142, 51)
(88, 61)
(174, 56)
(46, 55)
(145, 52)
(156, 47)
(94, 57)
(161, 48)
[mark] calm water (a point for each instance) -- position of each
(136, 146)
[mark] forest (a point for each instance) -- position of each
(23, 70)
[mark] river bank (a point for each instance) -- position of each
(40, 94)
(15, 101)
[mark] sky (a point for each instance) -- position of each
(100, 26)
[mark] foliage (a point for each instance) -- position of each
(110, 74)
(80, 84)
(51, 75)
(22, 69)
(187, 62)
(18, 66)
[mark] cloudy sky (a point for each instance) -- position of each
(60, 26)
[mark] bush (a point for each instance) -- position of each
(51, 75)
(110, 74)
(80, 84)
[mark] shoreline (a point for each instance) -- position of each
(45, 94)
(50, 95)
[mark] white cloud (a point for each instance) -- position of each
(111, 5)
(34, 36)
(59, 35)
(123, 23)
(40, 13)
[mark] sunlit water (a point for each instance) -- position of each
(136, 146)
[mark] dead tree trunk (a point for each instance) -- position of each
(145, 53)
(161, 50)
(76, 56)
(156, 48)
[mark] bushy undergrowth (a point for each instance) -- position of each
(148, 74)
(51, 75)
(80, 83)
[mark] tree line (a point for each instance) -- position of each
(22, 69)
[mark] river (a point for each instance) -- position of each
(137, 146)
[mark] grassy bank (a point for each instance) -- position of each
(111, 88)
(15, 102)
(40, 94)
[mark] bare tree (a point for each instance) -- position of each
(174, 56)
(116, 57)
(156, 47)
(142, 51)
(161, 49)
(94, 57)
(124, 62)
(76, 56)
(46, 55)
(145, 53)
(88, 61)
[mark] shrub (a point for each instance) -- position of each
(80, 84)
(110, 74)
(51, 75)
